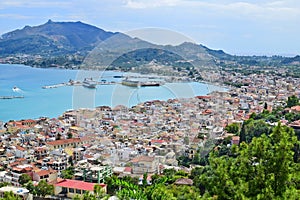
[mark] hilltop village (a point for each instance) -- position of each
(144, 139)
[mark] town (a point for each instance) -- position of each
(81, 148)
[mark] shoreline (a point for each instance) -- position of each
(66, 106)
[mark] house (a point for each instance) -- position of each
(71, 188)
(235, 140)
(295, 109)
(41, 152)
(61, 144)
(20, 152)
(14, 174)
(49, 175)
(144, 164)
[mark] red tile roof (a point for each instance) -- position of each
(20, 148)
(81, 185)
(65, 141)
(44, 172)
(142, 159)
(295, 108)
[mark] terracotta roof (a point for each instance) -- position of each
(128, 169)
(295, 108)
(203, 97)
(65, 141)
(20, 148)
(235, 138)
(143, 159)
(184, 181)
(157, 141)
(43, 172)
(21, 159)
(81, 185)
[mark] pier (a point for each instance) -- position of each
(11, 97)
(77, 83)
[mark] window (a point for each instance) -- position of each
(78, 191)
(71, 190)
(64, 190)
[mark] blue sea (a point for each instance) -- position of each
(20, 80)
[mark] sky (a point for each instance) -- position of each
(250, 27)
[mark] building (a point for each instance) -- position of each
(62, 144)
(14, 174)
(71, 188)
(23, 193)
(94, 173)
(144, 164)
(47, 175)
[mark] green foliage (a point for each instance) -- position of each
(3, 184)
(43, 189)
(253, 128)
(292, 101)
(98, 191)
(68, 173)
(88, 196)
(24, 178)
(10, 196)
(145, 176)
(263, 169)
(70, 135)
(233, 128)
(32, 189)
(184, 161)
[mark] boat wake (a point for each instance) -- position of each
(16, 89)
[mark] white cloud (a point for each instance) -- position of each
(141, 4)
(15, 16)
(262, 10)
(33, 4)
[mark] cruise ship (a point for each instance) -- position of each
(89, 83)
(137, 83)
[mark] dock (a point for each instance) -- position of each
(11, 97)
(77, 83)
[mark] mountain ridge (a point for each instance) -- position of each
(64, 39)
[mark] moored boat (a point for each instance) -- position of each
(89, 83)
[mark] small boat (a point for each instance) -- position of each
(89, 83)
(16, 89)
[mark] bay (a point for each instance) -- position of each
(39, 102)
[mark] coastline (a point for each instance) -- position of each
(46, 103)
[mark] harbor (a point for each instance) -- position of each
(131, 81)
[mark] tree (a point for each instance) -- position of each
(43, 189)
(265, 106)
(24, 178)
(233, 128)
(10, 196)
(262, 169)
(145, 182)
(98, 191)
(68, 173)
(253, 128)
(88, 196)
(69, 135)
(29, 186)
(3, 184)
(292, 101)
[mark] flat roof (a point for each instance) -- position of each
(15, 190)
